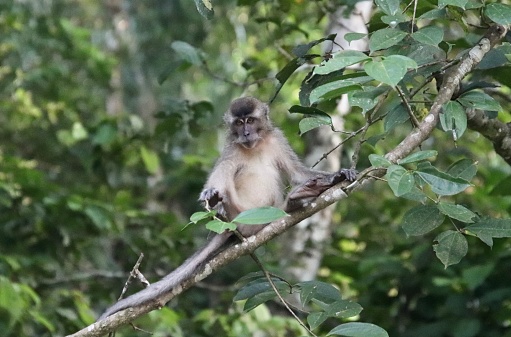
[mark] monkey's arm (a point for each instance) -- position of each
(180, 274)
(319, 184)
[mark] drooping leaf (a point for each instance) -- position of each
(205, 8)
(385, 38)
(219, 226)
(418, 156)
(457, 212)
(341, 60)
(259, 216)
(319, 291)
(350, 37)
(463, 168)
(310, 123)
(358, 329)
(454, 119)
(441, 183)
(451, 247)
(486, 229)
(338, 309)
(422, 219)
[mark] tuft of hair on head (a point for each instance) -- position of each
(246, 106)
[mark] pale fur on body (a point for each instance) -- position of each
(255, 166)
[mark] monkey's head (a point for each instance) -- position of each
(248, 121)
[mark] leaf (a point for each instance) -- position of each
(499, 13)
(309, 111)
(390, 70)
(454, 119)
(205, 8)
(479, 100)
(457, 212)
(366, 99)
(358, 329)
(457, 3)
(350, 37)
(389, 7)
(259, 216)
(463, 168)
(99, 216)
(451, 247)
(198, 216)
(219, 226)
(441, 183)
(317, 290)
(150, 159)
(421, 219)
(431, 35)
(495, 228)
(302, 49)
(341, 60)
(310, 123)
(400, 180)
(379, 161)
(396, 116)
(418, 156)
(385, 38)
(333, 90)
(338, 309)
(475, 276)
(187, 52)
(259, 291)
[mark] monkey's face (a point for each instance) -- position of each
(247, 131)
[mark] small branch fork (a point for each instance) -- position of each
(412, 141)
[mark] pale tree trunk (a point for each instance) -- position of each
(304, 246)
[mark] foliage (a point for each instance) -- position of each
(108, 134)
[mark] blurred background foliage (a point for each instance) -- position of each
(110, 117)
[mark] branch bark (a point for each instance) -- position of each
(451, 81)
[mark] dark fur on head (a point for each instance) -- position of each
(244, 107)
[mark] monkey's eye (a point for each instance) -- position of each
(239, 122)
(250, 120)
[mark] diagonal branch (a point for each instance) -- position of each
(451, 81)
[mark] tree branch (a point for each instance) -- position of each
(451, 81)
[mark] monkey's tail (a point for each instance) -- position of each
(180, 274)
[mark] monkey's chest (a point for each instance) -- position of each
(258, 183)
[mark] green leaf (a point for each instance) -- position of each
(341, 60)
(150, 159)
(338, 309)
(350, 37)
(475, 276)
(454, 119)
(379, 161)
(479, 100)
(99, 216)
(389, 7)
(302, 49)
(310, 123)
(400, 180)
(78, 132)
(319, 291)
(495, 228)
(418, 156)
(219, 226)
(390, 70)
(385, 38)
(259, 291)
(333, 90)
(441, 183)
(431, 35)
(422, 219)
(366, 99)
(205, 8)
(259, 216)
(309, 111)
(457, 212)
(451, 247)
(457, 3)
(499, 13)
(358, 329)
(463, 168)
(198, 216)
(187, 52)
(396, 116)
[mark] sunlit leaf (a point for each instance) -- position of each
(219, 226)
(259, 216)
(150, 159)
(341, 60)
(358, 329)
(418, 156)
(400, 180)
(310, 123)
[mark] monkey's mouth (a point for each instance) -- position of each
(249, 144)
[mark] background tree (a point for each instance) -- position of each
(106, 140)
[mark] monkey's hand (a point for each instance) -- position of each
(210, 197)
(319, 184)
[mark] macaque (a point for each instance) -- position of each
(254, 169)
